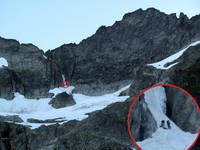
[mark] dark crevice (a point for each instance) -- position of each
(168, 104)
(142, 130)
(73, 68)
(168, 109)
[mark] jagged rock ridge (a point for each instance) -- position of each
(111, 55)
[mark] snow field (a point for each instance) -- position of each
(40, 109)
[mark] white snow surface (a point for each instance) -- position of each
(40, 109)
(3, 62)
(164, 139)
(161, 64)
(56, 91)
(45, 57)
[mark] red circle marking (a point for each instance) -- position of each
(132, 104)
(67, 84)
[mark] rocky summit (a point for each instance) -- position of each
(112, 58)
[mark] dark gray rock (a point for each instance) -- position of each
(27, 70)
(15, 119)
(55, 120)
(94, 89)
(182, 110)
(8, 132)
(142, 122)
(186, 73)
(62, 100)
(6, 88)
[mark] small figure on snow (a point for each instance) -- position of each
(168, 124)
(162, 125)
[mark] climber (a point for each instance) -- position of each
(63, 78)
(168, 124)
(162, 125)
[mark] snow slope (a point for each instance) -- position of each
(3, 62)
(161, 64)
(40, 109)
(164, 139)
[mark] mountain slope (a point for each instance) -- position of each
(113, 57)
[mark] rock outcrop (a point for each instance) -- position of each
(142, 122)
(62, 100)
(55, 120)
(182, 110)
(27, 71)
(14, 119)
(8, 132)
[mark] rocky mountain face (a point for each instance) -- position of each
(179, 103)
(106, 61)
(113, 53)
(110, 56)
(142, 122)
(27, 70)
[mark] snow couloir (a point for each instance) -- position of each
(162, 64)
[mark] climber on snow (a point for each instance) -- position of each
(162, 125)
(168, 124)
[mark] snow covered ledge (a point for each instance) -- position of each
(161, 64)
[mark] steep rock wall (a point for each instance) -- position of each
(183, 110)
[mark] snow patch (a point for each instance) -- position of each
(59, 90)
(3, 62)
(20, 105)
(45, 57)
(161, 64)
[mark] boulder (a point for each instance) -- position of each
(62, 100)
